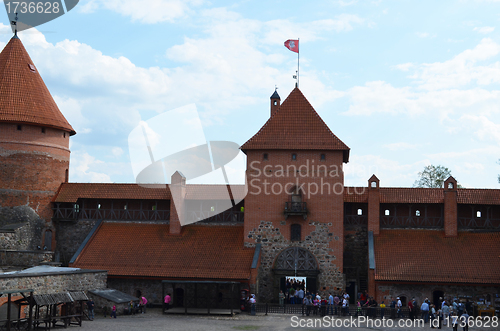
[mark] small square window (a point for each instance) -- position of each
(478, 214)
(322, 157)
(19, 128)
(417, 213)
(360, 211)
(265, 157)
(32, 67)
(294, 156)
(387, 213)
(43, 130)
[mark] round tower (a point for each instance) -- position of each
(34, 135)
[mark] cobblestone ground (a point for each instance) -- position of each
(154, 320)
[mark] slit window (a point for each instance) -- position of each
(360, 212)
(19, 128)
(64, 134)
(295, 232)
(387, 212)
(43, 130)
(265, 157)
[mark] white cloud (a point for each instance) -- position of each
(484, 29)
(80, 165)
(404, 66)
(144, 11)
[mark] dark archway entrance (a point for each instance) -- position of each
(295, 261)
(436, 295)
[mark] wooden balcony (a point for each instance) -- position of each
(295, 208)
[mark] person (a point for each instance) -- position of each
(292, 296)
(432, 315)
(252, 302)
(167, 301)
(300, 294)
(105, 311)
(454, 321)
(358, 309)
(143, 303)
(464, 321)
(336, 302)
(131, 307)
(281, 297)
(309, 304)
(393, 308)
(90, 306)
(410, 310)
(424, 308)
(330, 304)
(345, 306)
(113, 312)
(382, 310)
(399, 305)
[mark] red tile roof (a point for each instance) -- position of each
(356, 194)
(428, 256)
(71, 192)
(24, 98)
(411, 195)
(296, 125)
(148, 250)
(478, 196)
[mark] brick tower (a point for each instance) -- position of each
(294, 205)
(34, 137)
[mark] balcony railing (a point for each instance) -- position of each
(228, 216)
(411, 222)
(73, 214)
(295, 208)
(478, 223)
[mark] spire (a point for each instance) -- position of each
(275, 101)
(24, 98)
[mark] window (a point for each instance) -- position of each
(76, 208)
(478, 214)
(265, 157)
(387, 213)
(360, 211)
(43, 130)
(295, 234)
(275, 102)
(417, 213)
(294, 156)
(64, 134)
(19, 128)
(98, 206)
(126, 206)
(322, 157)
(32, 67)
(450, 186)
(374, 184)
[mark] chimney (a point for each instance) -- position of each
(178, 192)
(450, 208)
(275, 102)
(374, 205)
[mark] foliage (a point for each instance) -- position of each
(432, 176)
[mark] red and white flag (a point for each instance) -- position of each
(292, 45)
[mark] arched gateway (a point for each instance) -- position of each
(295, 262)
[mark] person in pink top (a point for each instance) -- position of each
(167, 300)
(143, 303)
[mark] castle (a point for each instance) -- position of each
(295, 217)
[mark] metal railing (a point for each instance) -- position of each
(478, 223)
(228, 216)
(411, 222)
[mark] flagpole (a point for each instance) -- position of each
(298, 55)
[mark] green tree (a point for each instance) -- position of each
(432, 176)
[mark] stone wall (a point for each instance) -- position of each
(22, 228)
(69, 237)
(46, 283)
(24, 258)
(317, 242)
(150, 289)
(356, 256)
(422, 291)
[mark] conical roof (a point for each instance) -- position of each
(296, 126)
(24, 98)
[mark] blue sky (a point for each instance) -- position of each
(403, 83)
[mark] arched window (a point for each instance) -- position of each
(374, 184)
(450, 186)
(295, 232)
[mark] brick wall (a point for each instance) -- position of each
(322, 233)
